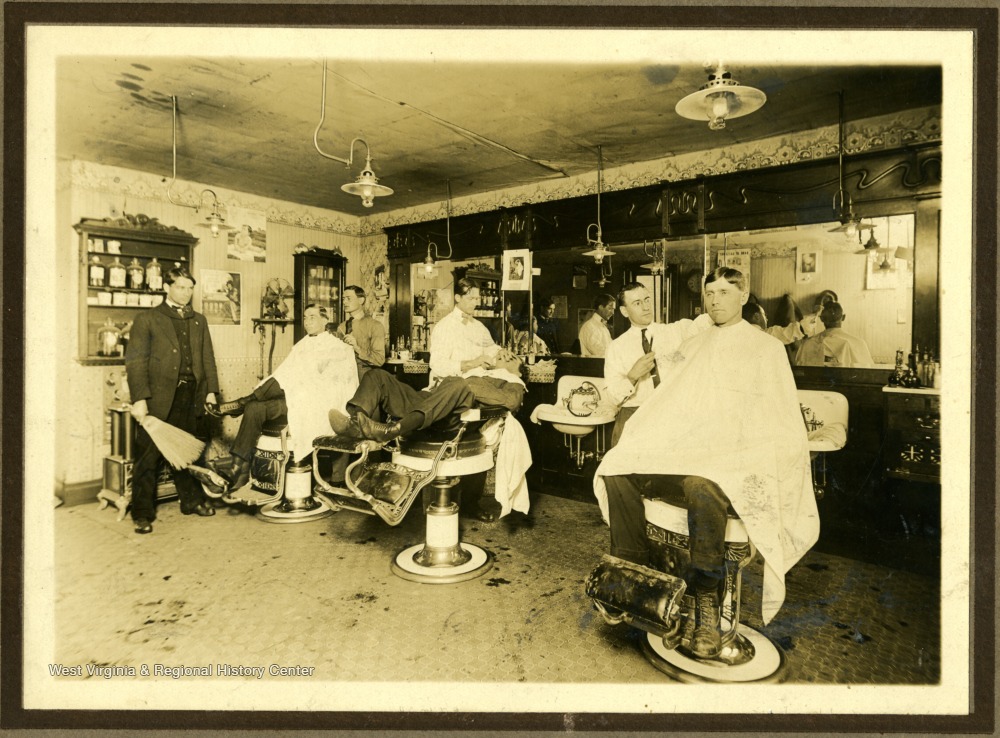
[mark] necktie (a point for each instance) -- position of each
(647, 346)
(349, 327)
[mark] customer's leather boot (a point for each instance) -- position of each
(374, 431)
(233, 409)
(706, 642)
(239, 474)
(345, 426)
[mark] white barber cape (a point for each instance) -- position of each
(320, 374)
(727, 410)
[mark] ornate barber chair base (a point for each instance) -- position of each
(657, 603)
(275, 471)
(431, 464)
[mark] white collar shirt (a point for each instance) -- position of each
(458, 337)
(594, 336)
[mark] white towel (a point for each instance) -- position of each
(513, 461)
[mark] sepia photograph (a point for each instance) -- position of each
(738, 514)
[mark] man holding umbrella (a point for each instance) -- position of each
(171, 375)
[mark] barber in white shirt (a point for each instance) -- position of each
(630, 369)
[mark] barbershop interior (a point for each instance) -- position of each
(533, 207)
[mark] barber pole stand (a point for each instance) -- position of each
(442, 558)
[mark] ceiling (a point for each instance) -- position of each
(247, 124)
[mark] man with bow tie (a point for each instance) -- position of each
(595, 335)
(361, 331)
(319, 374)
(171, 372)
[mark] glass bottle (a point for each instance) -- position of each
(136, 274)
(898, 372)
(910, 379)
(96, 272)
(107, 339)
(116, 273)
(154, 275)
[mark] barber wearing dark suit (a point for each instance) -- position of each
(171, 375)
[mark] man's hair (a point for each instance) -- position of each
(833, 314)
(178, 272)
(322, 309)
(826, 297)
(357, 291)
(733, 276)
(754, 314)
(628, 287)
(464, 286)
(602, 300)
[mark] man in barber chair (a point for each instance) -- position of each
(722, 433)
(319, 373)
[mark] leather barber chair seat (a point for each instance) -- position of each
(430, 463)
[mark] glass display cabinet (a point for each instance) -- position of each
(319, 279)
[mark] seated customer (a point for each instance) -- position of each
(834, 346)
(754, 314)
(722, 430)
(791, 326)
(319, 373)
(382, 397)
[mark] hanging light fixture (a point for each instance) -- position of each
(658, 255)
(432, 248)
(720, 99)
(843, 205)
(214, 221)
(366, 186)
(597, 248)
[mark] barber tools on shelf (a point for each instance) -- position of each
(178, 447)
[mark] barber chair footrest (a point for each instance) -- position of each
(646, 598)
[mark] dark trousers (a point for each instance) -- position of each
(183, 415)
(381, 395)
(268, 404)
(620, 420)
(493, 391)
(707, 508)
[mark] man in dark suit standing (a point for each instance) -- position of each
(171, 375)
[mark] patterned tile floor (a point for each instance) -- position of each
(235, 589)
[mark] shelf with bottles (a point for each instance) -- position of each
(122, 264)
(489, 293)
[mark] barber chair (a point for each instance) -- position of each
(280, 488)
(656, 601)
(428, 463)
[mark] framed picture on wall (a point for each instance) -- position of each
(808, 264)
(248, 239)
(221, 297)
(516, 270)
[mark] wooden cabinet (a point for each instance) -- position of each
(115, 259)
(319, 279)
(912, 434)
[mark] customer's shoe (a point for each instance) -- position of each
(233, 409)
(239, 474)
(345, 426)
(143, 526)
(374, 431)
(488, 509)
(201, 510)
(706, 642)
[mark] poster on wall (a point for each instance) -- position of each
(736, 259)
(808, 264)
(248, 239)
(516, 267)
(379, 304)
(221, 297)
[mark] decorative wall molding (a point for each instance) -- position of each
(131, 183)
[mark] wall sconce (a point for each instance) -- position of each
(597, 248)
(720, 99)
(366, 186)
(214, 220)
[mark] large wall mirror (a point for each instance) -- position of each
(871, 272)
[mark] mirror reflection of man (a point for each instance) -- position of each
(548, 324)
(595, 333)
(630, 364)
(834, 346)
